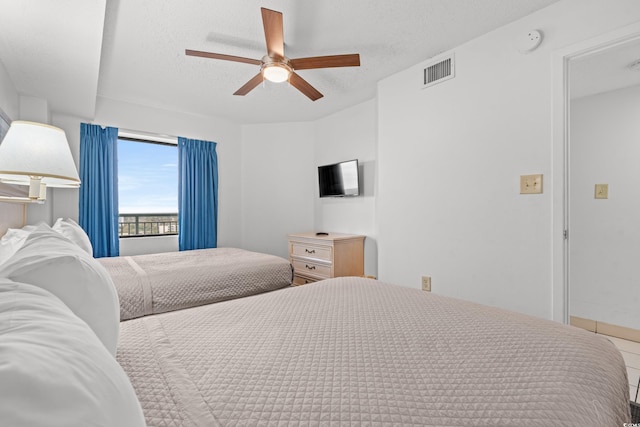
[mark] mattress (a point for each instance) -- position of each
(157, 283)
(353, 351)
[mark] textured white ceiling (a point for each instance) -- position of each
(52, 49)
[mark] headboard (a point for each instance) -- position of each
(12, 215)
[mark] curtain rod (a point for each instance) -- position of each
(135, 134)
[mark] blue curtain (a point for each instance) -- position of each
(99, 188)
(197, 194)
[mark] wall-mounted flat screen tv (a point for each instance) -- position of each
(339, 179)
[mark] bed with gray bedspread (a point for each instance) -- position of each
(352, 351)
(157, 283)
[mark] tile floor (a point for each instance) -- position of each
(631, 354)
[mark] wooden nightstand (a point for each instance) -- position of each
(321, 257)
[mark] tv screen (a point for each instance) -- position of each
(339, 179)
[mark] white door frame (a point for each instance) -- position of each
(560, 158)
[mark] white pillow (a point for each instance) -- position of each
(11, 242)
(53, 369)
(72, 231)
(52, 262)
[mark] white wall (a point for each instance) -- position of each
(34, 109)
(11, 215)
(277, 184)
(280, 180)
(8, 95)
(605, 233)
(346, 135)
(450, 156)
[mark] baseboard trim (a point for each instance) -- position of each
(606, 328)
(580, 322)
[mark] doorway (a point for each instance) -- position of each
(604, 192)
(574, 191)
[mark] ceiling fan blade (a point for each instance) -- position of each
(303, 86)
(351, 60)
(250, 85)
(273, 32)
(222, 56)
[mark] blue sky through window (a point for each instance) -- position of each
(147, 177)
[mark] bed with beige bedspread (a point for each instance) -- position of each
(156, 283)
(353, 351)
(345, 351)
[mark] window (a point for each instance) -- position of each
(147, 188)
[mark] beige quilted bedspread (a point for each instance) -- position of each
(157, 283)
(353, 351)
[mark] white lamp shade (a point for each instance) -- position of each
(37, 150)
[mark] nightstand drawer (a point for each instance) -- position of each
(311, 251)
(301, 280)
(311, 268)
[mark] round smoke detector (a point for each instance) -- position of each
(530, 41)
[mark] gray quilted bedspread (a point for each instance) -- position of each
(157, 283)
(353, 351)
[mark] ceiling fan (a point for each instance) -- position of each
(275, 66)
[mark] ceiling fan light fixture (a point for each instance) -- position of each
(276, 73)
(275, 66)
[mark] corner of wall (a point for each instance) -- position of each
(9, 102)
(34, 109)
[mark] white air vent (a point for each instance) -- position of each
(438, 71)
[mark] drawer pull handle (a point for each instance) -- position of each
(313, 267)
(312, 251)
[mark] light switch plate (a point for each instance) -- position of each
(531, 184)
(602, 191)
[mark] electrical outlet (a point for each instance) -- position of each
(426, 283)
